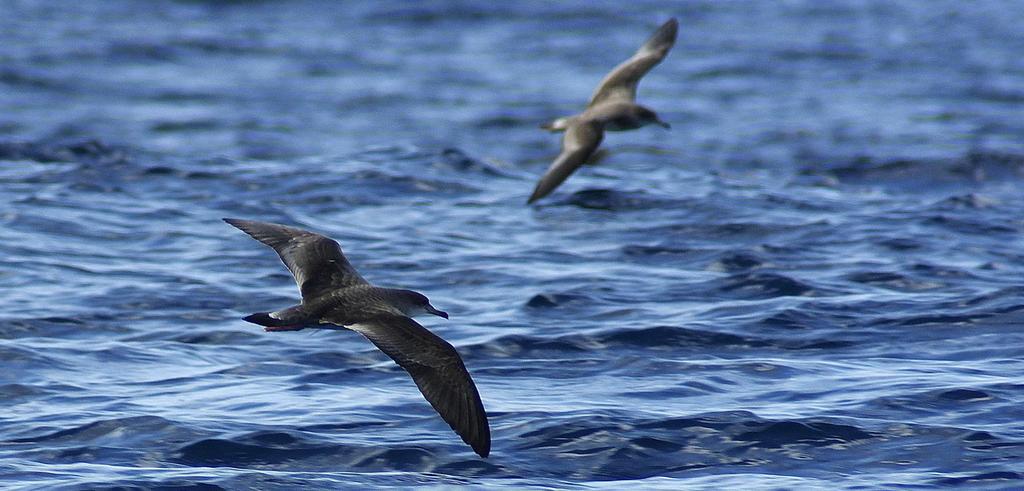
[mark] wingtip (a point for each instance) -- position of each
(243, 225)
(261, 319)
(667, 33)
(534, 197)
(539, 191)
(482, 443)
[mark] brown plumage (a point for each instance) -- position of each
(334, 296)
(612, 107)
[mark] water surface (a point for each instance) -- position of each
(813, 280)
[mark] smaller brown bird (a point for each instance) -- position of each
(334, 296)
(613, 107)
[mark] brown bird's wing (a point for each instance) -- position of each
(578, 144)
(315, 261)
(621, 82)
(438, 371)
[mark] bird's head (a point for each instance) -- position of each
(648, 116)
(414, 303)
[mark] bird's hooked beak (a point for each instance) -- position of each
(431, 310)
(663, 124)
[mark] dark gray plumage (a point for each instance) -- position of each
(334, 295)
(612, 107)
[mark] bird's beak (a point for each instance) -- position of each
(663, 124)
(432, 310)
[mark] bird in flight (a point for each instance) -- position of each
(335, 296)
(612, 107)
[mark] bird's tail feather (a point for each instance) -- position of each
(264, 319)
(290, 319)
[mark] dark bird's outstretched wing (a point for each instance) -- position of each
(578, 144)
(438, 371)
(315, 261)
(621, 82)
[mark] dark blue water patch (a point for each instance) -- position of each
(970, 225)
(893, 281)
(98, 167)
(458, 161)
(791, 319)
(120, 431)
(735, 440)
(13, 392)
(259, 449)
(901, 244)
(215, 338)
(543, 301)
(334, 359)
(934, 320)
(660, 252)
(964, 395)
(141, 485)
(755, 233)
(358, 370)
(192, 125)
(984, 441)
(998, 478)
(948, 399)
(508, 119)
(671, 336)
(1002, 300)
(42, 327)
(969, 201)
(941, 271)
(778, 435)
(614, 200)
(765, 285)
(92, 152)
(134, 52)
(365, 185)
(284, 450)
(28, 359)
(25, 78)
(736, 261)
(914, 174)
(659, 338)
(340, 427)
(518, 345)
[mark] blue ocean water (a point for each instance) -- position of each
(814, 280)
